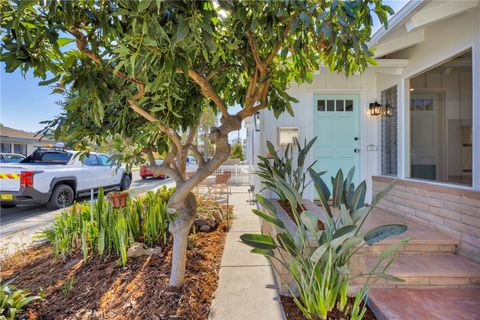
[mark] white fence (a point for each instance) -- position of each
(241, 173)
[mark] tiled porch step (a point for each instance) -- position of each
(432, 270)
(430, 303)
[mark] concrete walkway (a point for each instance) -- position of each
(246, 288)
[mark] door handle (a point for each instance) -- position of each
(356, 150)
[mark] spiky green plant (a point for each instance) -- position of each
(321, 273)
(293, 171)
(144, 219)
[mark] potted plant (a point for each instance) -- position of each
(118, 199)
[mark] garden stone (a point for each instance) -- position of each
(140, 249)
(205, 228)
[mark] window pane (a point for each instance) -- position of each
(321, 105)
(389, 149)
(441, 122)
(20, 148)
(340, 105)
(348, 105)
(90, 160)
(104, 160)
(6, 147)
(330, 105)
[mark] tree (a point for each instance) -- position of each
(146, 69)
(237, 151)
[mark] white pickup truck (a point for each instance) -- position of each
(56, 177)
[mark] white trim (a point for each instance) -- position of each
(396, 20)
(405, 126)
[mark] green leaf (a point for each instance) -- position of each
(47, 82)
(182, 30)
(64, 41)
(267, 204)
(287, 243)
(358, 199)
(268, 218)
(337, 189)
(310, 221)
(382, 232)
(264, 252)
(259, 241)
(318, 253)
(143, 4)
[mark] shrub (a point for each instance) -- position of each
(13, 300)
(321, 273)
(108, 230)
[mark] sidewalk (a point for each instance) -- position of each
(246, 288)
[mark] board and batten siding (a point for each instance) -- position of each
(325, 82)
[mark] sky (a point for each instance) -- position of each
(23, 104)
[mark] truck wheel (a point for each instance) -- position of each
(8, 205)
(125, 183)
(62, 196)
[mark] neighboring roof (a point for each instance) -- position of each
(398, 19)
(8, 132)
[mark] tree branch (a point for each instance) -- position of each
(81, 42)
(256, 56)
(171, 134)
(208, 91)
(280, 43)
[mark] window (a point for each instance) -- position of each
(389, 132)
(52, 157)
(90, 160)
(335, 105)
(6, 147)
(20, 148)
(13, 158)
(105, 160)
(441, 122)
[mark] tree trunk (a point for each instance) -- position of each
(180, 228)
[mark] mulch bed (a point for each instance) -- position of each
(288, 209)
(103, 290)
(293, 313)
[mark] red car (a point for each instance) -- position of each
(146, 172)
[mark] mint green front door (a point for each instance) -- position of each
(337, 125)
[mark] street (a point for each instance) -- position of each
(19, 224)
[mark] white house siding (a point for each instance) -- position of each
(326, 82)
(442, 41)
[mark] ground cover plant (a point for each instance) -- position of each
(141, 73)
(14, 300)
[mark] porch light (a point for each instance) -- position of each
(256, 120)
(388, 112)
(375, 109)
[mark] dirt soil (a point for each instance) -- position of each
(293, 313)
(101, 289)
(286, 206)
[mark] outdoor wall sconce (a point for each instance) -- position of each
(388, 112)
(256, 120)
(375, 109)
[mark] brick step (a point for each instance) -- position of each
(414, 247)
(429, 303)
(447, 270)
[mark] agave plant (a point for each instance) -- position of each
(321, 273)
(284, 167)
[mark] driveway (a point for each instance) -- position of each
(19, 224)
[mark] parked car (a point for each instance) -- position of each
(56, 177)
(11, 157)
(145, 171)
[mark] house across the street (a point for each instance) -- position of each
(19, 141)
(414, 117)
